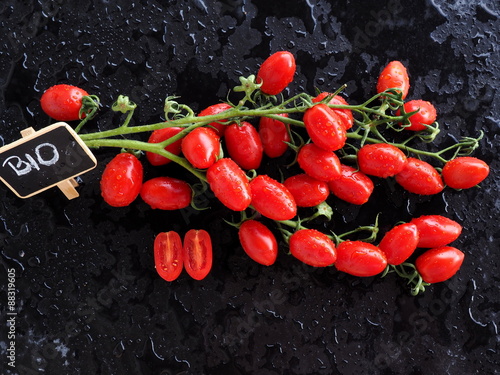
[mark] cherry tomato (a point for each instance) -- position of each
(121, 180)
(244, 145)
(381, 160)
(318, 163)
(325, 127)
(439, 264)
(426, 114)
(214, 110)
(307, 191)
(197, 253)
(276, 72)
(399, 243)
(344, 113)
(161, 135)
(166, 193)
(273, 134)
(229, 184)
(168, 255)
(313, 248)
(201, 147)
(436, 230)
(465, 172)
(272, 199)
(63, 102)
(352, 186)
(360, 258)
(420, 177)
(394, 76)
(258, 242)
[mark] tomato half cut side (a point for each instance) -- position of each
(197, 253)
(168, 255)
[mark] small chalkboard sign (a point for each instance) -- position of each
(50, 157)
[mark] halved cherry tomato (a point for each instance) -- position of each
(272, 199)
(201, 147)
(360, 258)
(214, 110)
(399, 243)
(320, 164)
(465, 172)
(276, 72)
(168, 255)
(121, 180)
(229, 184)
(307, 191)
(258, 242)
(274, 135)
(313, 248)
(419, 177)
(197, 253)
(352, 186)
(344, 113)
(381, 160)
(63, 102)
(244, 145)
(394, 76)
(166, 193)
(325, 127)
(439, 264)
(436, 230)
(161, 135)
(426, 114)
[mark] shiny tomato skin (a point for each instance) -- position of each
(272, 199)
(394, 76)
(197, 253)
(320, 164)
(313, 248)
(161, 135)
(276, 72)
(215, 109)
(168, 255)
(274, 135)
(359, 258)
(307, 191)
(63, 102)
(352, 186)
(166, 193)
(201, 147)
(419, 177)
(325, 127)
(426, 114)
(121, 180)
(381, 160)
(399, 243)
(258, 242)
(229, 184)
(344, 113)
(439, 264)
(436, 230)
(244, 145)
(465, 172)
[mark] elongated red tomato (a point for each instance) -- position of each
(344, 113)
(272, 199)
(419, 177)
(360, 258)
(63, 102)
(436, 230)
(274, 135)
(161, 135)
(439, 264)
(276, 72)
(214, 110)
(307, 191)
(352, 186)
(325, 127)
(394, 76)
(399, 243)
(320, 164)
(166, 193)
(197, 253)
(313, 248)
(426, 114)
(465, 172)
(168, 255)
(121, 180)
(258, 242)
(381, 160)
(201, 147)
(229, 184)
(244, 145)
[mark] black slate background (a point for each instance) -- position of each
(88, 298)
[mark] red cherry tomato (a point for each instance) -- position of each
(197, 253)
(436, 230)
(161, 135)
(121, 180)
(426, 114)
(325, 127)
(439, 264)
(313, 248)
(420, 177)
(318, 163)
(63, 102)
(229, 184)
(394, 76)
(465, 172)
(381, 160)
(244, 145)
(273, 134)
(258, 242)
(166, 193)
(214, 110)
(359, 258)
(307, 191)
(399, 243)
(344, 113)
(352, 186)
(272, 199)
(168, 255)
(201, 147)
(276, 72)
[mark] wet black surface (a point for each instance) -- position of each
(88, 299)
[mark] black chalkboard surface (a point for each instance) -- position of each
(43, 159)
